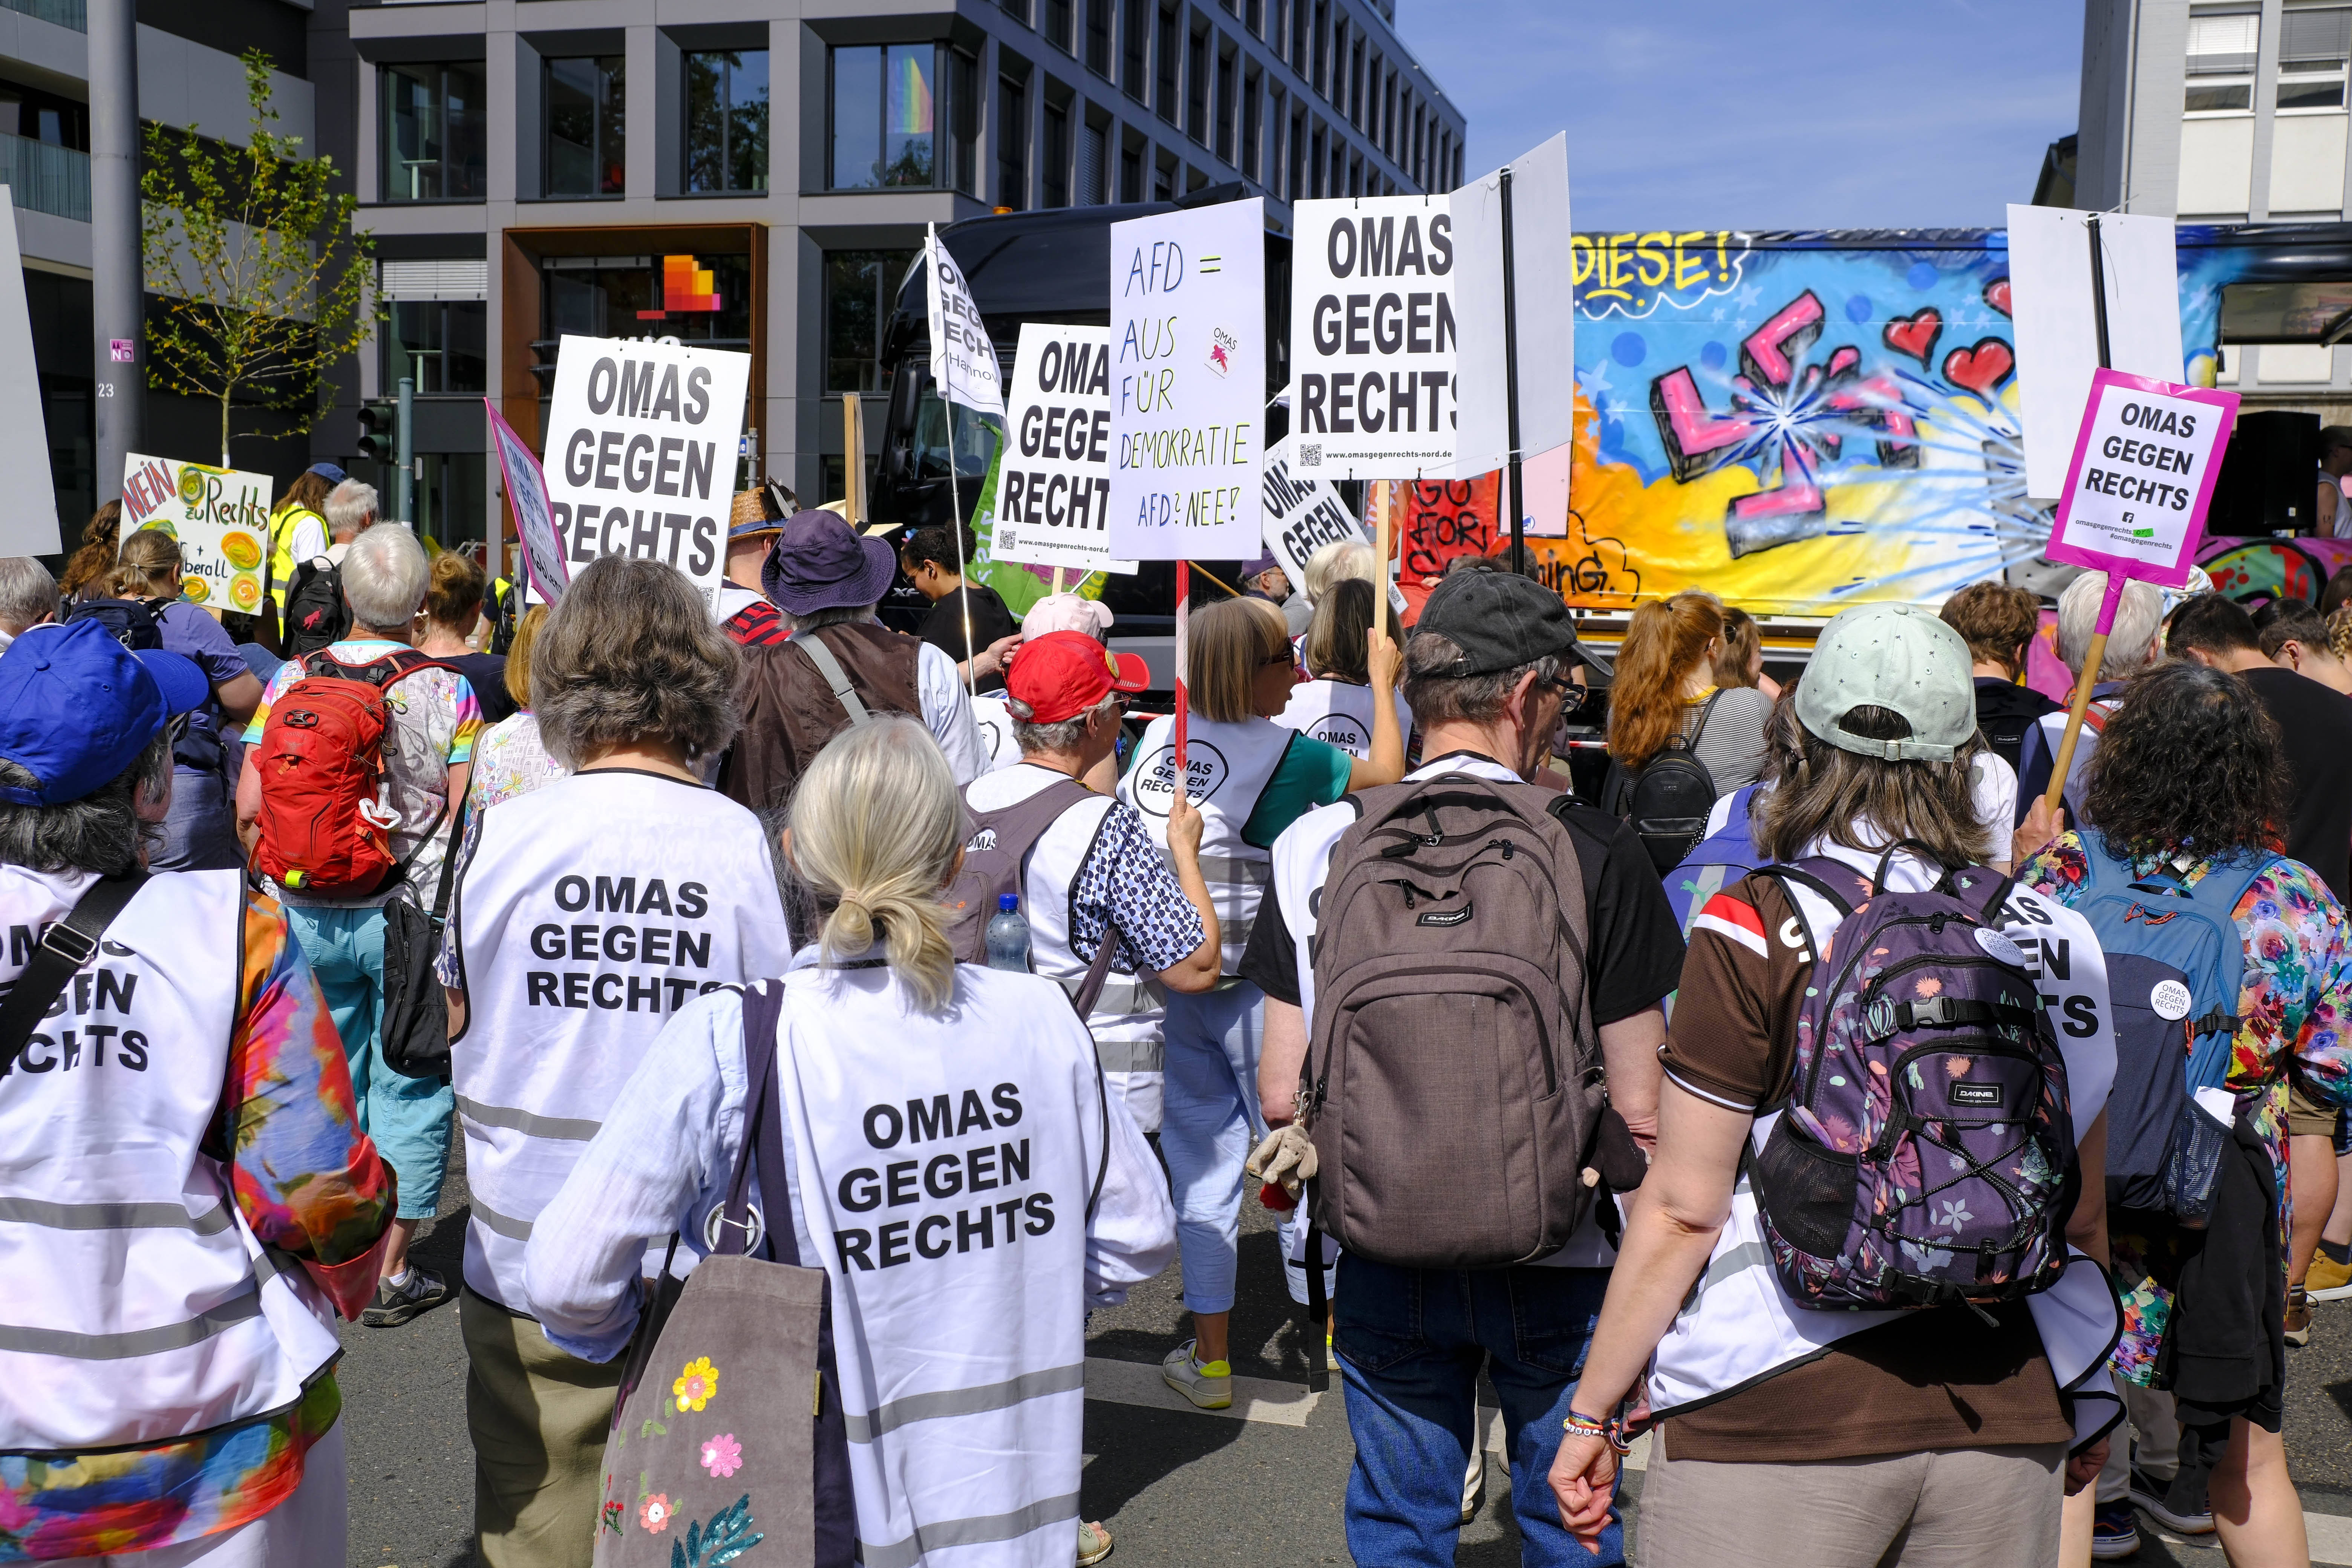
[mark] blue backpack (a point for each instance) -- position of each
(1715, 863)
(2174, 961)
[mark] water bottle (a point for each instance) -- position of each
(1008, 936)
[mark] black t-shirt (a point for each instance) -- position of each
(2315, 723)
(943, 628)
(2005, 711)
(486, 674)
(1637, 946)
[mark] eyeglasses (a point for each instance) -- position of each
(1570, 694)
(1273, 659)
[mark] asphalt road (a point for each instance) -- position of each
(1177, 1487)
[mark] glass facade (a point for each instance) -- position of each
(438, 343)
(886, 117)
(587, 151)
(859, 289)
(727, 121)
(431, 142)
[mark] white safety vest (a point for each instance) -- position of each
(1229, 767)
(139, 1307)
(929, 1173)
(592, 911)
(1339, 714)
(1739, 1327)
(994, 721)
(1129, 1014)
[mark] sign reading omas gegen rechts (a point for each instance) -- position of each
(1373, 336)
(640, 453)
(2145, 461)
(1053, 490)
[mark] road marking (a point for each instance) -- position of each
(2331, 1537)
(1254, 1398)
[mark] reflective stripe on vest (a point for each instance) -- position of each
(139, 1307)
(922, 1175)
(592, 911)
(1230, 767)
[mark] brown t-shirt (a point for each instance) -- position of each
(1936, 1378)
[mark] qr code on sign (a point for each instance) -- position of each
(1311, 456)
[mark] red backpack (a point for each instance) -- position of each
(323, 829)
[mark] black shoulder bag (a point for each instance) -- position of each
(416, 1039)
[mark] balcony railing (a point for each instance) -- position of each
(74, 14)
(44, 177)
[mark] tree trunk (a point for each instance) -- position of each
(225, 462)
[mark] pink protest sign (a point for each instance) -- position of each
(2142, 478)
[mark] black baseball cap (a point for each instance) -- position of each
(1499, 620)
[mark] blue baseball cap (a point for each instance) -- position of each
(329, 472)
(76, 708)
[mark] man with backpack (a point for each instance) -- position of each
(354, 778)
(1849, 1279)
(1481, 963)
(1084, 866)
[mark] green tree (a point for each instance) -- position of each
(263, 283)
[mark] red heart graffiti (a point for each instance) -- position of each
(1916, 335)
(1997, 295)
(1981, 367)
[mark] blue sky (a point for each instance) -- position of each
(1765, 113)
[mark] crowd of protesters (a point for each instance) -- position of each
(1925, 1172)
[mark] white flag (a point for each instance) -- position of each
(963, 362)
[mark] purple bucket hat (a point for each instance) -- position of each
(819, 562)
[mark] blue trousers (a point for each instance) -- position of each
(409, 1118)
(1412, 1341)
(1208, 1123)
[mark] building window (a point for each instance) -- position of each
(38, 116)
(1317, 41)
(1135, 36)
(1254, 17)
(1355, 83)
(1164, 46)
(1054, 175)
(587, 153)
(1228, 67)
(438, 343)
(1018, 9)
(1295, 185)
(1298, 38)
(1011, 142)
(1163, 178)
(1130, 172)
(1196, 86)
(860, 286)
(1098, 38)
(2221, 62)
(1094, 153)
(433, 133)
(2312, 48)
(1253, 118)
(727, 121)
(1057, 24)
(885, 117)
(961, 114)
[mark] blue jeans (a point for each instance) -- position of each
(1208, 1124)
(1412, 1341)
(409, 1118)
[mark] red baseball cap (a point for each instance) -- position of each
(1063, 674)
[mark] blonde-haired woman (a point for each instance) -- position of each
(1251, 778)
(510, 759)
(1004, 1221)
(1666, 690)
(586, 914)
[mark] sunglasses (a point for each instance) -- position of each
(1273, 659)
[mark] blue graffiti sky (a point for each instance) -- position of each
(1765, 113)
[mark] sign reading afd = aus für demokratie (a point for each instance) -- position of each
(640, 453)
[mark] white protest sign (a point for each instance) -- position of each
(2057, 325)
(1372, 334)
(1187, 382)
(525, 486)
(963, 362)
(221, 517)
(1052, 487)
(641, 442)
(28, 525)
(1544, 314)
(2142, 478)
(1304, 513)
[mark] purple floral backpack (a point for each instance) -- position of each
(1924, 1156)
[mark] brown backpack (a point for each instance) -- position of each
(1453, 1076)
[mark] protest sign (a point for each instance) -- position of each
(28, 525)
(1053, 498)
(1304, 513)
(221, 517)
(1372, 337)
(2057, 321)
(525, 486)
(963, 361)
(2134, 503)
(1187, 382)
(640, 452)
(1543, 314)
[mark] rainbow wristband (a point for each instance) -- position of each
(1611, 1431)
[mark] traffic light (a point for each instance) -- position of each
(376, 421)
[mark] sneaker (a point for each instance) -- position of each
(2298, 1319)
(396, 1304)
(2148, 1493)
(2327, 1280)
(1474, 1481)
(1211, 1387)
(1094, 1544)
(2115, 1531)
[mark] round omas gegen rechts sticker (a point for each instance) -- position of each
(2169, 1000)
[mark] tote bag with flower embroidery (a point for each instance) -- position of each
(727, 1441)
